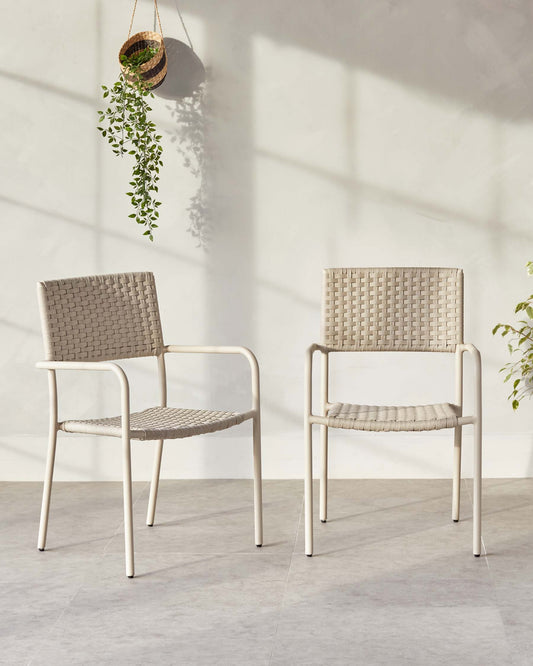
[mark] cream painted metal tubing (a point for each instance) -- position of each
(154, 485)
(256, 416)
(50, 459)
(457, 438)
(108, 366)
(324, 386)
(308, 429)
(478, 462)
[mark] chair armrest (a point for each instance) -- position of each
(243, 351)
(308, 406)
(99, 366)
(79, 365)
(471, 349)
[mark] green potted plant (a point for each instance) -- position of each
(520, 344)
(127, 127)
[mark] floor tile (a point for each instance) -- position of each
(392, 580)
(179, 609)
(401, 635)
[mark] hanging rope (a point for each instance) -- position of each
(156, 11)
(132, 15)
(183, 25)
(156, 14)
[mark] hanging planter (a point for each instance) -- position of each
(126, 124)
(153, 71)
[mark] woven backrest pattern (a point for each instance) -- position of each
(101, 317)
(392, 309)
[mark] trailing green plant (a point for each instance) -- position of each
(520, 342)
(127, 127)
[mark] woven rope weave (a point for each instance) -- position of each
(392, 309)
(392, 419)
(101, 317)
(160, 423)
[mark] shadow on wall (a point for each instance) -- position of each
(477, 52)
(190, 136)
(185, 71)
(477, 55)
(184, 85)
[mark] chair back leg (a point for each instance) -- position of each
(154, 486)
(456, 490)
(258, 492)
(323, 473)
(47, 489)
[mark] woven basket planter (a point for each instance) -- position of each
(154, 71)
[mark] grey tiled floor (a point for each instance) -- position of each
(393, 580)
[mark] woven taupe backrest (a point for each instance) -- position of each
(392, 309)
(100, 317)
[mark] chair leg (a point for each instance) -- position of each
(47, 489)
(308, 489)
(154, 486)
(324, 473)
(258, 492)
(128, 507)
(477, 489)
(456, 490)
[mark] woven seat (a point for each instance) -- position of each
(392, 419)
(392, 310)
(160, 423)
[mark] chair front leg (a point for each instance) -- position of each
(126, 474)
(258, 492)
(128, 506)
(456, 488)
(324, 439)
(50, 460)
(308, 434)
(477, 488)
(478, 410)
(308, 488)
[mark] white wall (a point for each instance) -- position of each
(344, 133)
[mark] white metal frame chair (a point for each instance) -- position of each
(392, 309)
(88, 322)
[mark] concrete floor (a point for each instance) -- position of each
(393, 580)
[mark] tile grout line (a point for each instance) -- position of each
(281, 604)
(118, 529)
(56, 621)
